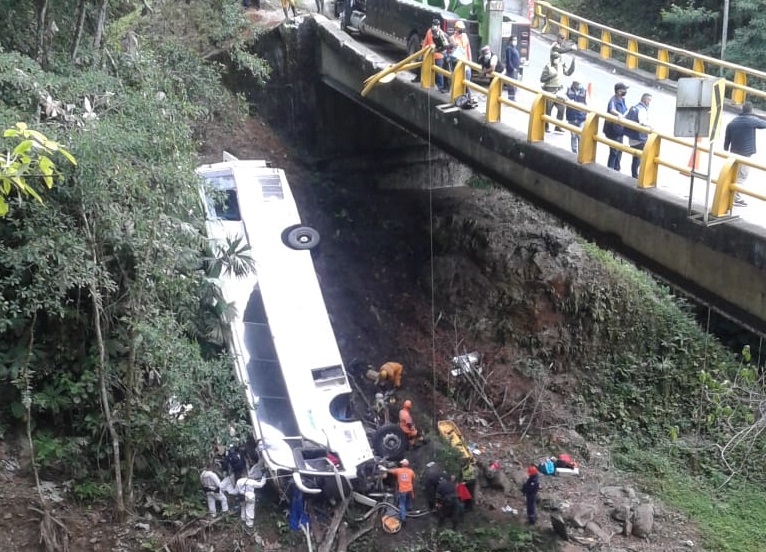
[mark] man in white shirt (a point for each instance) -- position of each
(211, 484)
(246, 486)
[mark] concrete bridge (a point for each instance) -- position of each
(724, 265)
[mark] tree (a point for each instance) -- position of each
(28, 164)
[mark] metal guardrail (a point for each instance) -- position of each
(637, 48)
(650, 158)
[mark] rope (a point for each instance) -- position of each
(431, 245)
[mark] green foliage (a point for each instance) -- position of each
(27, 163)
(88, 491)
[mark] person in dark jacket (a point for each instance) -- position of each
(530, 488)
(512, 65)
(576, 117)
(740, 139)
(613, 131)
(447, 504)
(434, 475)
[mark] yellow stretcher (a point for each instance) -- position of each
(449, 431)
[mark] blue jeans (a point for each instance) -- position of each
(575, 142)
(636, 160)
(438, 76)
(614, 156)
(405, 503)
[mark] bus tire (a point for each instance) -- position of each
(301, 238)
(390, 442)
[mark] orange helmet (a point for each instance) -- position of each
(407, 404)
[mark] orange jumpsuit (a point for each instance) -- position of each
(406, 424)
(394, 371)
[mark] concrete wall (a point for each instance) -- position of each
(724, 264)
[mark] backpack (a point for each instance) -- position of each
(441, 41)
(546, 467)
(632, 115)
(465, 101)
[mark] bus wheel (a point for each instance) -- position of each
(301, 237)
(390, 441)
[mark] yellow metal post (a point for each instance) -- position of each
(606, 44)
(737, 94)
(494, 92)
(457, 87)
(582, 40)
(662, 69)
(586, 153)
(427, 75)
(564, 25)
(631, 61)
(724, 195)
(698, 65)
(647, 170)
(542, 13)
(536, 131)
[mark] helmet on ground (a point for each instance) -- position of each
(407, 404)
(460, 25)
(383, 374)
(404, 462)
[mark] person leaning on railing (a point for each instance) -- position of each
(740, 139)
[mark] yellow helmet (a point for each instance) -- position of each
(460, 25)
(383, 374)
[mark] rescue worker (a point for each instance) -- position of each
(211, 484)
(246, 486)
(407, 425)
(292, 6)
(468, 476)
(551, 81)
(405, 486)
(437, 38)
(433, 476)
(462, 49)
(234, 463)
(562, 46)
(530, 488)
(447, 504)
(739, 138)
(390, 372)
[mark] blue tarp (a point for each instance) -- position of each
(298, 515)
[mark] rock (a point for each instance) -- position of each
(596, 529)
(581, 514)
(621, 513)
(7, 516)
(142, 526)
(496, 479)
(688, 543)
(630, 492)
(559, 526)
(643, 520)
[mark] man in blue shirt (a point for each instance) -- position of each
(740, 139)
(613, 131)
(512, 65)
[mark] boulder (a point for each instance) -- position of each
(581, 514)
(595, 529)
(643, 521)
(559, 526)
(496, 479)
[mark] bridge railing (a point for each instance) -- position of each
(650, 157)
(635, 48)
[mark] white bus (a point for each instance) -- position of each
(282, 342)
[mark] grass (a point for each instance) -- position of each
(730, 519)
